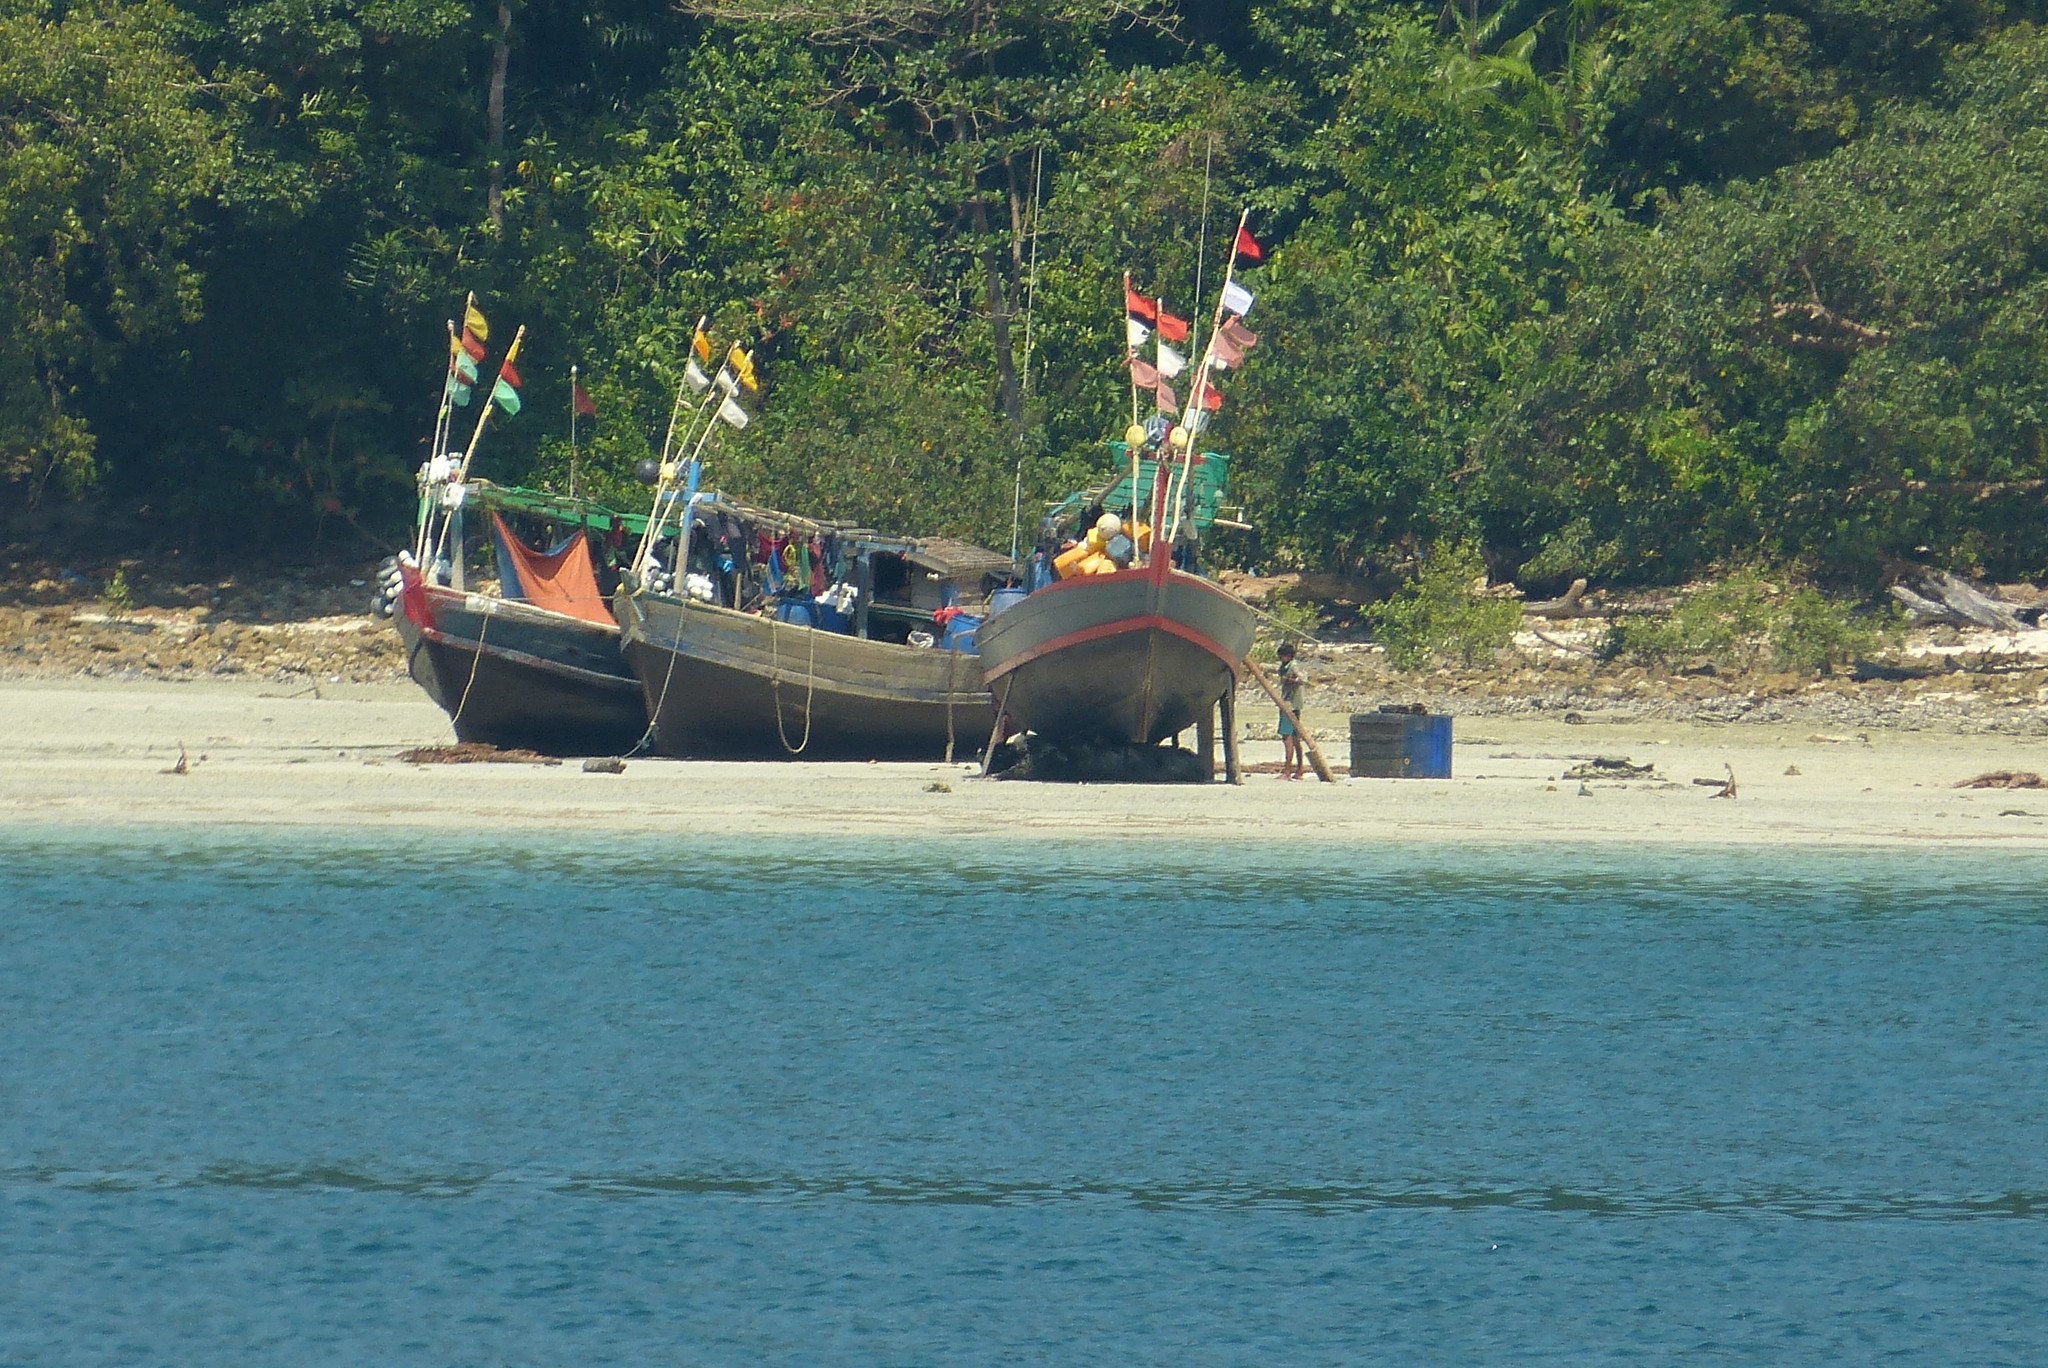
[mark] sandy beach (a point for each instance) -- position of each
(84, 752)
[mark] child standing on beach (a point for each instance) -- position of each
(1291, 690)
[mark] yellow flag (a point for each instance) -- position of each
(701, 344)
(473, 321)
(742, 364)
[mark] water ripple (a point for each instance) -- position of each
(1799, 1204)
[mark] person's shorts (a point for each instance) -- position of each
(1286, 727)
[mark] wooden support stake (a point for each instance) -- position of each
(1308, 743)
(1233, 768)
(995, 733)
(1205, 743)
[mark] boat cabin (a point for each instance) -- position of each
(835, 576)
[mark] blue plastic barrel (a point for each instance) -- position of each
(797, 612)
(960, 633)
(1401, 745)
(1004, 598)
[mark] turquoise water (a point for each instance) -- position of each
(271, 1099)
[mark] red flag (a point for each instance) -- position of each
(472, 346)
(1171, 328)
(1248, 247)
(508, 375)
(1143, 374)
(1212, 398)
(1139, 307)
(586, 407)
(1166, 400)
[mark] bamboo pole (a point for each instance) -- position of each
(1129, 350)
(1308, 743)
(1201, 386)
(664, 500)
(483, 419)
(469, 454)
(442, 416)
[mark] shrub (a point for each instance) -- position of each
(1748, 621)
(118, 595)
(1436, 616)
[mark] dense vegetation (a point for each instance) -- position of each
(1621, 288)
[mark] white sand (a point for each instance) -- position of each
(93, 752)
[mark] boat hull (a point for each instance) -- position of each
(722, 683)
(515, 676)
(1130, 658)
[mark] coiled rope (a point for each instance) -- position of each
(775, 683)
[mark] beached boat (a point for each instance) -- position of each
(1130, 657)
(531, 661)
(795, 637)
(1119, 641)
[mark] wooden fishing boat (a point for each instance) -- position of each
(536, 664)
(1129, 658)
(1127, 646)
(743, 668)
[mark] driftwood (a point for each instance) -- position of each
(473, 753)
(2005, 779)
(1944, 597)
(1726, 786)
(1611, 767)
(1572, 605)
(1308, 743)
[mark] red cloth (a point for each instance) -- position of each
(1138, 306)
(564, 582)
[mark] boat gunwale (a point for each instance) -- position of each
(923, 656)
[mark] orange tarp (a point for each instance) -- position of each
(563, 582)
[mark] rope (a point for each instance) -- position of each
(654, 713)
(476, 659)
(952, 661)
(775, 684)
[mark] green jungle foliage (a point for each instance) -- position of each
(1620, 288)
(1437, 618)
(1749, 620)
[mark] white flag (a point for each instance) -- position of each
(694, 376)
(1136, 333)
(732, 413)
(1237, 299)
(728, 384)
(1171, 362)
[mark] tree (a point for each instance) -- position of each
(108, 143)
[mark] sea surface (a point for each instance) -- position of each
(271, 1097)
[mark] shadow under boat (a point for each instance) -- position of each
(535, 666)
(888, 673)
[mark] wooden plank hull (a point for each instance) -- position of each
(512, 675)
(722, 683)
(1129, 658)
